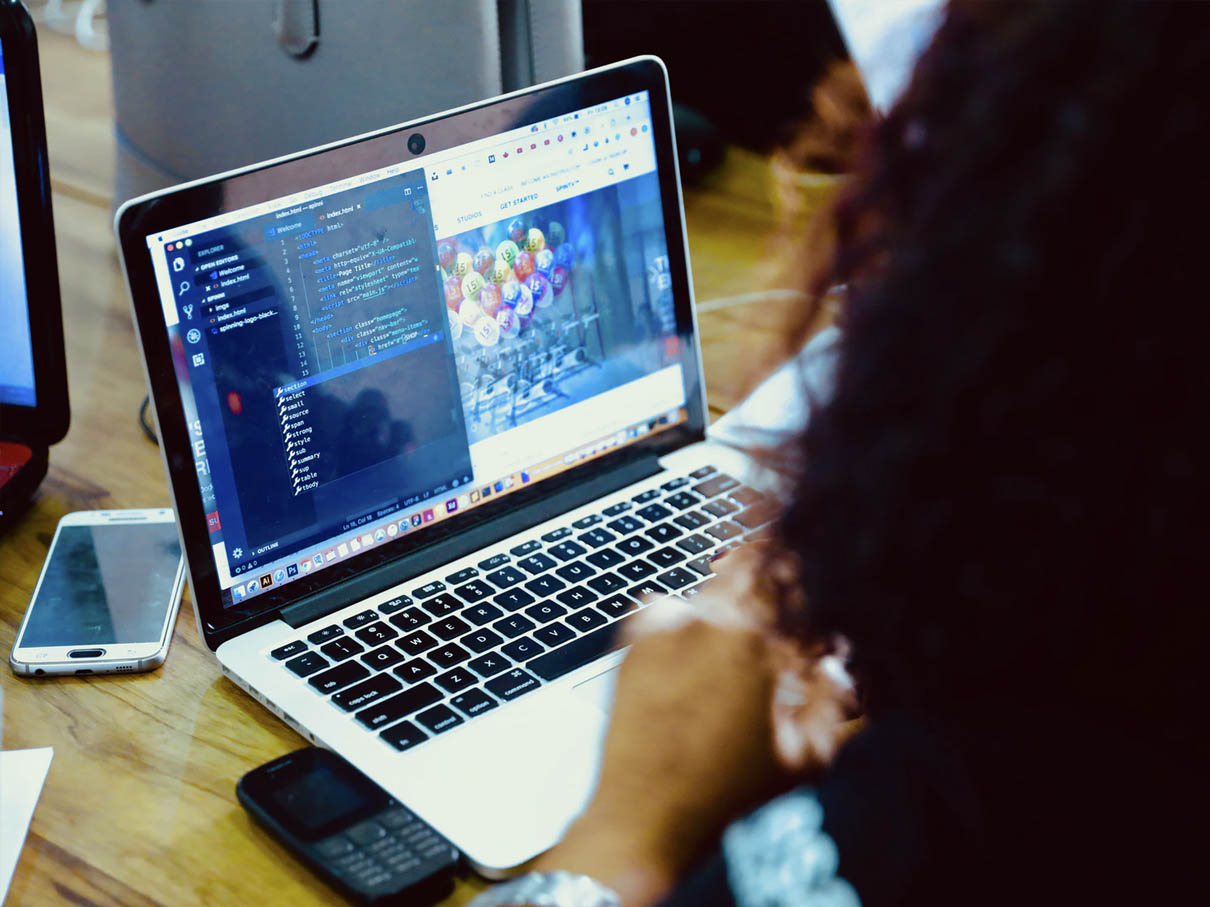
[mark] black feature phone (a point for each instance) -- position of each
(348, 829)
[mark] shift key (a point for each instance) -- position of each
(384, 712)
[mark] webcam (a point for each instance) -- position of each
(416, 143)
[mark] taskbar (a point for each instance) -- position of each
(388, 528)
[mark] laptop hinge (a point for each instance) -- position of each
(397, 571)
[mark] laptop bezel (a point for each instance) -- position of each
(172, 207)
(45, 422)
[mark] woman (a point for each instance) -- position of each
(1001, 512)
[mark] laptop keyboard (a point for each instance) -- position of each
(420, 664)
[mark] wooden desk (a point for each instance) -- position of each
(139, 807)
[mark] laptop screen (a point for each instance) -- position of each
(363, 359)
(16, 349)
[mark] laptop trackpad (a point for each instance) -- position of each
(598, 690)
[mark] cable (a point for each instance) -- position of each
(144, 424)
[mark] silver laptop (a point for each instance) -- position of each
(431, 407)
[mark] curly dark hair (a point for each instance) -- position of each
(1003, 507)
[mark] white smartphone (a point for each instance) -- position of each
(107, 599)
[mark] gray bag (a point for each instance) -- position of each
(203, 86)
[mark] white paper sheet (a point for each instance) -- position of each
(22, 774)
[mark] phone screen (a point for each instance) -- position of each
(105, 584)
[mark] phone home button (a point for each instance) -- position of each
(86, 653)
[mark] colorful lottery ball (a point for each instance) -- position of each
(539, 286)
(510, 324)
(555, 234)
(535, 240)
(453, 292)
(489, 299)
(524, 265)
(501, 272)
(507, 252)
(544, 262)
(487, 331)
(483, 260)
(558, 279)
(469, 312)
(565, 256)
(516, 230)
(524, 305)
(510, 292)
(455, 324)
(463, 264)
(445, 253)
(472, 283)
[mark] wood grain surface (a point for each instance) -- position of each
(139, 806)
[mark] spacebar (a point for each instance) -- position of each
(578, 653)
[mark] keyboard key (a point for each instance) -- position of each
(720, 508)
(366, 833)
(481, 640)
(664, 532)
(746, 497)
(701, 565)
(439, 718)
(693, 591)
(414, 670)
(340, 676)
(694, 519)
(702, 472)
(544, 612)
(396, 604)
(576, 597)
(522, 649)
(666, 557)
(442, 605)
(341, 648)
(410, 619)
(360, 620)
(513, 599)
(717, 485)
(625, 525)
(472, 702)
(653, 513)
(604, 558)
(307, 663)
(536, 563)
(526, 548)
(615, 509)
(474, 591)
(575, 571)
(595, 538)
(585, 521)
(674, 484)
(514, 626)
(636, 544)
(382, 657)
(404, 735)
(725, 530)
(586, 619)
(449, 655)
(606, 583)
(508, 576)
(636, 570)
(644, 496)
(578, 652)
(376, 633)
(377, 687)
(481, 614)
(450, 627)
(617, 605)
(429, 589)
(556, 534)
(565, 551)
(492, 663)
(647, 587)
(512, 684)
(682, 500)
(677, 577)
(416, 642)
(694, 544)
(493, 562)
(555, 634)
(461, 576)
(455, 680)
(290, 648)
(325, 634)
(758, 514)
(388, 710)
(545, 585)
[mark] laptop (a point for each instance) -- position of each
(33, 378)
(431, 407)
